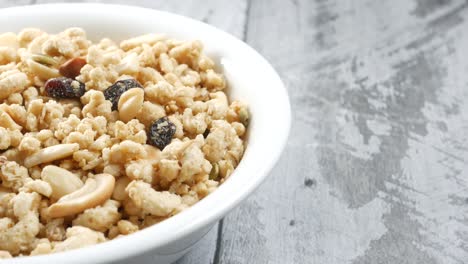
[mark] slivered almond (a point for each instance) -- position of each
(50, 154)
(119, 193)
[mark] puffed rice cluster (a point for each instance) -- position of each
(75, 173)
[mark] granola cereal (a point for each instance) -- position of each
(101, 140)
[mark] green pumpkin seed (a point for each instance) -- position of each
(244, 116)
(44, 59)
(214, 173)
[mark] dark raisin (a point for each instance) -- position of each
(113, 92)
(161, 132)
(64, 88)
(206, 133)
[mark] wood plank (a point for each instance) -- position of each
(374, 168)
(273, 225)
(204, 252)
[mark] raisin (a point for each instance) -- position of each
(72, 67)
(206, 133)
(113, 92)
(64, 88)
(161, 132)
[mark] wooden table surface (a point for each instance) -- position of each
(375, 170)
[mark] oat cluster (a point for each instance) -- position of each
(100, 140)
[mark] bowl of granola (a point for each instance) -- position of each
(127, 132)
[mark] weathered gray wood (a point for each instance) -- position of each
(375, 169)
(275, 224)
(204, 252)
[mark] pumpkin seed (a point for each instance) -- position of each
(44, 59)
(244, 116)
(214, 173)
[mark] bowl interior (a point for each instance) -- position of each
(250, 78)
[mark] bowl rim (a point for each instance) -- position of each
(147, 240)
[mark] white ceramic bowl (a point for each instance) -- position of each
(250, 77)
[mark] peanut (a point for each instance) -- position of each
(61, 180)
(72, 67)
(119, 193)
(130, 103)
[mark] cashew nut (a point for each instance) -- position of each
(93, 193)
(130, 103)
(61, 180)
(50, 154)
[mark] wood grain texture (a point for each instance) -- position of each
(375, 168)
(204, 251)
